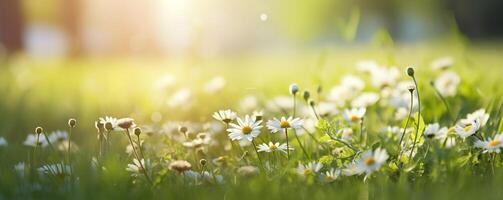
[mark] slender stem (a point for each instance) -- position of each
(138, 158)
(49, 142)
(69, 146)
(139, 146)
(406, 125)
(315, 113)
(294, 104)
(444, 101)
(418, 117)
(363, 137)
(287, 145)
(300, 144)
(258, 155)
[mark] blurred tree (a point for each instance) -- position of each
(11, 25)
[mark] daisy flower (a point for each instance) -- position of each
(137, 167)
(110, 120)
(442, 63)
(447, 84)
(364, 100)
(465, 129)
(180, 166)
(58, 136)
(369, 162)
(214, 85)
(3, 142)
(309, 169)
(271, 147)
(31, 140)
(276, 125)
(491, 145)
(346, 133)
(59, 170)
(246, 129)
(354, 115)
(479, 114)
(225, 116)
(330, 175)
(434, 131)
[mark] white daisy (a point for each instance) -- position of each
(214, 85)
(181, 99)
(31, 140)
(3, 142)
(245, 129)
(354, 115)
(58, 136)
(491, 145)
(20, 169)
(479, 114)
(364, 100)
(442, 63)
(271, 147)
(107, 119)
(59, 170)
(276, 125)
(384, 77)
(368, 163)
(309, 169)
(225, 116)
(434, 131)
(330, 175)
(137, 167)
(466, 129)
(248, 103)
(447, 84)
(346, 133)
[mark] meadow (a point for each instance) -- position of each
(402, 122)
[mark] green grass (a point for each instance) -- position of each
(47, 93)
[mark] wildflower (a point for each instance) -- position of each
(491, 145)
(214, 85)
(271, 147)
(180, 166)
(246, 129)
(225, 116)
(466, 129)
(479, 114)
(434, 131)
(3, 142)
(306, 95)
(109, 123)
(126, 123)
(34, 140)
(248, 171)
(330, 175)
(369, 162)
(181, 99)
(276, 125)
(354, 115)
(442, 63)
(138, 168)
(248, 103)
(384, 77)
(58, 136)
(20, 169)
(309, 169)
(326, 109)
(59, 170)
(346, 133)
(365, 100)
(447, 84)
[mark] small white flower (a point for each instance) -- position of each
(225, 116)
(271, 147)
(442, 63)
(58, 136)
(137, 167)
(368, 163)
(479, 114)
(181, 98)
(447, 84)
(364, 100)
(310, 169)
(384, 77)
(248, 103)
(330, 175)
(3, 142)
(434, 131)
(107, 119)
(466, 129)
(20, 169)
(280, 125)
(214, 85)
(491, 145)
(346, 133)
(245, 129)
(59, 170)
(354, 115)
(31, 140)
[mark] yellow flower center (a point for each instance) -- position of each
(370, 161)
(273, 147)
(284, 124)
(246, 130)
(467, 128)
(494, 143)
(354, 118)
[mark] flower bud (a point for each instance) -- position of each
(410, 71)
(137, 131)
(39, 130)
(306, 95)
(203, 162)
(311, 102)
(182, 129)
(319, 89)
(72, 122)
(294, 88)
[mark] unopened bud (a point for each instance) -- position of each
(72, 122)
(203, 162)
(410, 71)
(182, 129)
(137, 131)
(306, 95)
(294, 88)
(39, 130)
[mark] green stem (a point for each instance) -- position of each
(418, 117)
